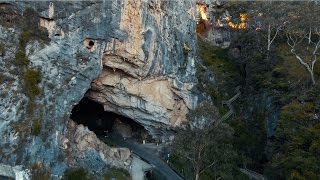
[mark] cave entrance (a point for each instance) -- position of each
(92, 114)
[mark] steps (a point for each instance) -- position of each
(229, 104)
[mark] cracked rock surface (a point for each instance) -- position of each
(137, 58)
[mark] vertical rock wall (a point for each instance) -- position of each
(139, 55)
(149, 76)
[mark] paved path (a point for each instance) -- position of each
(152, 159)
(252, 174)
(138, 167)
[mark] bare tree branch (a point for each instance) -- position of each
(207, 167)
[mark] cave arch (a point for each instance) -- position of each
(92, 114)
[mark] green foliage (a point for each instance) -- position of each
(294, 150)
(224, 71)
(76, 174)
(205, 146)
(117, 174)
(296, 143)
(216, 59)
(250, 141)
(24, 39)
(39, 172)
(31, 79)
(36, 127)
(21, 59)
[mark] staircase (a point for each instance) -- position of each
(229, 104)
(252, 174)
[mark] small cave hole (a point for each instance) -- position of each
(91, 44)
(92, 114)
(57, 35)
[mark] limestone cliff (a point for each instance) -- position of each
(134, 57)
(149, 75)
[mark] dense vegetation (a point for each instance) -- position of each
(83, 174)
(204, 148)
(276, 127)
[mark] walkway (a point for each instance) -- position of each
(229, 104)
(252, 174)
(140, 151)
(138, 168)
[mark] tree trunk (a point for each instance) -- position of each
(197, 176)
(310, 70)
(269, 37)
(312, 77)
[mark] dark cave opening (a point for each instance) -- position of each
(92, 114)
(91, 43)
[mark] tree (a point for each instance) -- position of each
(305, 52)
(303, 33)
(297, 143)
(267, 16)
(205, 145)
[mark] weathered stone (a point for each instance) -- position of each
(83, 141)
(133, 51)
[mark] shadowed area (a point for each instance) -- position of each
(92, 115)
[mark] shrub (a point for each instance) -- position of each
(21, 59)
(24, 39)
(31, 79)
(76, 174)
(39, 172)
(36, 127)
(117, 173)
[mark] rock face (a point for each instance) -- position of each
(215, 30)
(149, 75)
(79, 140)
(134, 57)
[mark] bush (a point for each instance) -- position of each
(76, 174)
(24, 39)
(118, 174)
(36, 127)
(39, 172)
(31, 79)
(21, 59)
